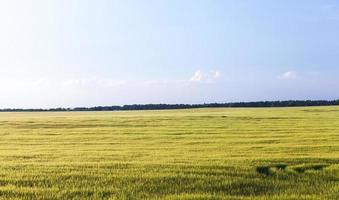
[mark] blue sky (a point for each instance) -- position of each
(84, 53)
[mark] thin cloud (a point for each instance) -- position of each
(93, 81)
(289, 75)
(197, 77)
(215, 74)
(209, 77)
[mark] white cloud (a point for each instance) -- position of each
(289, 75)
(82, 91)
(93, 81)
(84, 83)
(215, 74)
(201, 77)
(197, 77)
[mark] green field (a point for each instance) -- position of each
(262, 153)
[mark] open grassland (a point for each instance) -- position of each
(270, 153)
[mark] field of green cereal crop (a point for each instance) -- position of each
(261, 153)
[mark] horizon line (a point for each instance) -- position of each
(171, 106)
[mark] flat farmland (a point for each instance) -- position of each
(221, 153)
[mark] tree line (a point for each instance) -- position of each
(256, 104)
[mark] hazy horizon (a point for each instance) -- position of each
(74, 53)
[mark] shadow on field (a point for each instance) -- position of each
(276, 168)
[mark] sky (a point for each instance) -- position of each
(70, 53)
